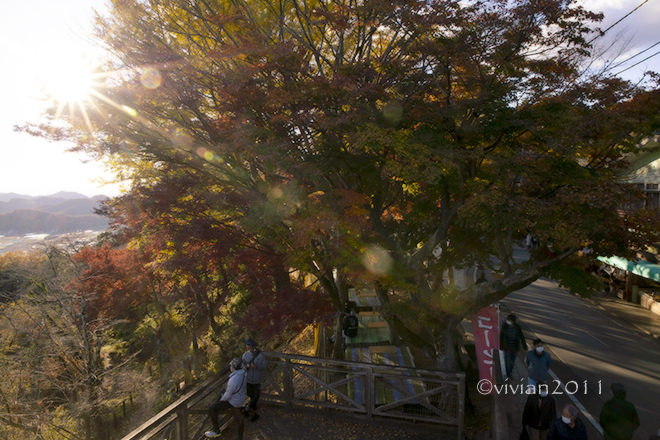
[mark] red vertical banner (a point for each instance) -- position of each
(485, 327)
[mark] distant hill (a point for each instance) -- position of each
(72, 206)
(76, 206)
(68, 195)
(25, 221)
(5, 197)
(59, 213)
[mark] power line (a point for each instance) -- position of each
(619, 21)
(636, 64)
(634, 56)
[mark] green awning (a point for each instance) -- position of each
(642, 268)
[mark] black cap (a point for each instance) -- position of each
(618, 390)
(250, 341)
(616, 386)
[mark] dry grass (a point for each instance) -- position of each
(303, 344)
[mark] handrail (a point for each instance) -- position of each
(284, 382)
(188, 400)
(316, 360)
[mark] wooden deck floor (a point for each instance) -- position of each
(280, 423)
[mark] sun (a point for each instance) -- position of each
(69, 79)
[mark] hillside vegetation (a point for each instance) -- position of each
(67, 365)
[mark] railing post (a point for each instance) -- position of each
(182, 423)
(461, 406)
(288, 381)
(499, 420)
(369, 392)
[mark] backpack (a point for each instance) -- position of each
(351, 326)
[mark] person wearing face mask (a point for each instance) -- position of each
(568, 427)
(511, 338)
(538, 364)
(540, 411)
(618, 417)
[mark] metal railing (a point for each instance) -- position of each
(371, 389)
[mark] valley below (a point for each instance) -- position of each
(37, 242)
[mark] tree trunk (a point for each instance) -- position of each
(196, 361)
(337, 349)
(445, 352)
(338, 292)
(87, 426)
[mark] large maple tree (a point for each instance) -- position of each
(180, 246)
(381, 142)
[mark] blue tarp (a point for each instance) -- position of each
(642, 268)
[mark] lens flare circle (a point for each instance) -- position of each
(377, 260)
(151, 78)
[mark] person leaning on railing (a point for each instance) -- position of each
(232, 399)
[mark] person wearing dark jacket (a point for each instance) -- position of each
(568, 427)
(618, 417)
(511, 338)
(254, 363)
(538, 364)
(540, 411)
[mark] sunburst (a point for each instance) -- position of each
(70, 83)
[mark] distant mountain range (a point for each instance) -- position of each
(59, 213)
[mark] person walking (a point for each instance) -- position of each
(539, 413)
(568, 427)
(511, 338)
(538, 364)
(254, 363)
(232, 400)
(618, 418)
(350, 325)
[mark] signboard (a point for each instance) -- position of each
(485, 327)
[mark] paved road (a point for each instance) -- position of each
(588, 345)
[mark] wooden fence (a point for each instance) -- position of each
(370, 389)
(108, 423)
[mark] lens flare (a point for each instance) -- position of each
(151, 78)
(393, 112)
(129, 110)
(277, 193)
(377, 260)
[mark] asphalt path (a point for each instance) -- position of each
(590, 351)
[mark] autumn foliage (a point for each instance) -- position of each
(264, 139)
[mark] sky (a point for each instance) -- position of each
(39, 37)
